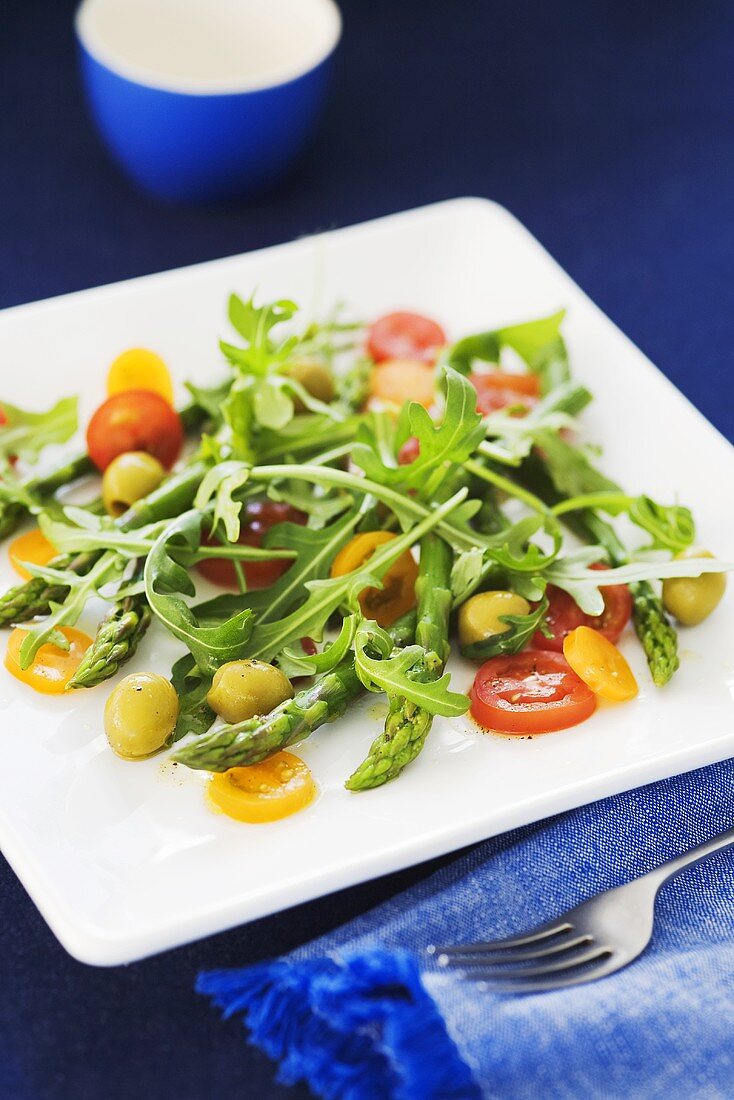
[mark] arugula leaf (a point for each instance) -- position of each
(452, 441)
(192, 686)
(164, 577)
(570, 470)
(538, 343)
(81, 590)
(572, 473)
(315, 550)
(389, 672)
(522, 628)
(319, 506)
(25, 434)
(87, 532)
(255, 324)
(572, 573)
(517, 435)
(671, 527)
(317, 664)
(272, 406)
(513, 550)
(210, 398)
(221, 483)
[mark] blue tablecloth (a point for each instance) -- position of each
(608, 128)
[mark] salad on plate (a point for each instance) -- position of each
(333, 515)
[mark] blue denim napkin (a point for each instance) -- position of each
(361, 1013)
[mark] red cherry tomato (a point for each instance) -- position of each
(530, 692)
(564, 615)
(136, 420)
(259, 516)
(405, 336)
(498, 389)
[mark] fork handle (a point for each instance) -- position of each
(666, 870)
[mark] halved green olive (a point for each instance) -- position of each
(130, 477)
(315, 378)
(690, 600)
(140, 714)
(479, 617)
(242, 689)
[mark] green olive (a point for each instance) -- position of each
(242, 689)
(315, 378)
(130, 477)
(479, 617)
(690, 600)
(140, 714)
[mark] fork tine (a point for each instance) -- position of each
(549, 985)
(515, 956)
(536, 935)
(518, 973)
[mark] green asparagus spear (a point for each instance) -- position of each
(25, 601)
(653, 627)
(118, 637)
(13, 512)
(407, 725)
(255, 739)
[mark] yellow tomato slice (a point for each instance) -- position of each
(399, 380)
(140, 369)
(601, 666)
(52, 667)
(385, 605)
(31, 547)
(274, 788)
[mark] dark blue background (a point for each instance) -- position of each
(607, 127)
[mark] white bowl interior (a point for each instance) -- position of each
(209, 46)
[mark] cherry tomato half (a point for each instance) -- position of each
(498, 389)
(140, 369)
(397, 596)
(530, 692)
(136, 420)
(258, 517)
(405, 336)
(564, 615)
(52, 667)
(396, 381)
(32, 547)
(599, 663)
(275, 788)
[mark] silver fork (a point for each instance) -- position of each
(589, 942)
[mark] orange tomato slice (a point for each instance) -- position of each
(385, 605)
(52, 668)
(268, 791)
(31, 547)
(601, 666)
(140, 369)
(399, 380)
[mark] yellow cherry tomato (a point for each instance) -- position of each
(31, 547)
(399, 380)
(385, 605)
(52, 667)
(601, 666)
(274, 788)
(140, 369)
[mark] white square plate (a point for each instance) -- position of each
(123, 859)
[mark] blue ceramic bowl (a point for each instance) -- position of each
(205, 99)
